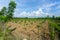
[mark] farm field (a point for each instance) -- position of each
(25, 28)
(31, 28)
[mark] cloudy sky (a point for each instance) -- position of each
(34, 8)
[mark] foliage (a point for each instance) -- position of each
(58, 18)
(12, 6)
(6, 34)
(3, 11)
(53, 25)
(3, 18)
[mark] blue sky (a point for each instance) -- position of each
(34, 8)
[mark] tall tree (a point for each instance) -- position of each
(53, 17)
(3, 11)
(12, 6)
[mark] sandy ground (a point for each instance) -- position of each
(28, 30)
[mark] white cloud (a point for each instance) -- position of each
(37, 13)
(49, 5)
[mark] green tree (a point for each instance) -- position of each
(53, 17)
(3, 11)
(11, 8)
(3, 14)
